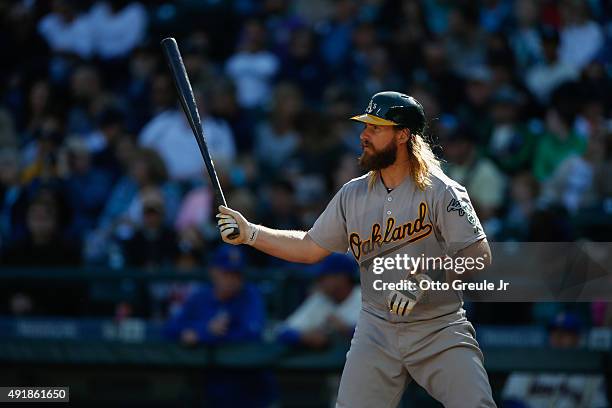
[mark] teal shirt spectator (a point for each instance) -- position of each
(552, 149)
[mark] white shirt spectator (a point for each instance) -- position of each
(542, 79)
(314, 312)
(68, 36)
(116, 34)
(252, 73)
(580, 43)
(170, 135)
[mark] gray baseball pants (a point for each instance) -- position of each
(441, 355)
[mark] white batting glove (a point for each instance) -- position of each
(402, 302)
(228, 220)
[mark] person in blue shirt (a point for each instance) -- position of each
(227, 310)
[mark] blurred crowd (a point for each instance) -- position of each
(98, 165)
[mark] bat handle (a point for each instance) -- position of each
(234, 234)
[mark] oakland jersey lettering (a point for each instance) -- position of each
(414, 230)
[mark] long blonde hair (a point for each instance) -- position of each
(422, 162)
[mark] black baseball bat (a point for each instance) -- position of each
(185, 93)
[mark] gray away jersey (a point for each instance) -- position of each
(371, 222)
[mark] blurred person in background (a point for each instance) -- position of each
(524, 37)
(543, 77)
(277, 139)
(520, 206)
(88, 98)
(224, 104)
(572, 185)
(137, 90)
(117, 27)
(281, 205)
(43, 246)
(436, 74)
(557, 390)
(104, 142)
(465, 42)
(40, 155)
(331, 311)
(154, 243)
(557, 142)
(201, 70)
(42, 101)
(339, 101)
(512, 144)
(302, 65)
(478, 174)
(335, 33)
(581, 37)
(123, 210)
(379, 75)
(86, 187)
(474, 110)
(170, 134)
(228, 310)
(252, 67)
(66, 30)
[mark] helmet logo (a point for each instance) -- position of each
(371, 107)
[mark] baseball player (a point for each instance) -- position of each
(403, 206)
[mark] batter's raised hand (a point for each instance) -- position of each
(229, 220)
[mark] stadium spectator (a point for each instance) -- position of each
(123, 211)
(13, 198)
(555, 144)
(572, 185)
(86, 186)
(88, 99)
(170, 134)
(277, 139)
(478, 174)
(539, 390)
(104, 142)
(524, 191)
(117, 27)
(66, 30)
(465, 43)
(154, 243)
(224, 104)
(303, 66)
(227, 310)
(543, 77)
(253, 67)
(512, 143)
(330, 311)
(41, 153)
(43, 246)
(525, 38)
(581, 37)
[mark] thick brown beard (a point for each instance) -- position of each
(380, 159)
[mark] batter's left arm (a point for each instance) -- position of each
(478, 250)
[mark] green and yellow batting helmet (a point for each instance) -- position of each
(394, 109)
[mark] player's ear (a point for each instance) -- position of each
(403, 135)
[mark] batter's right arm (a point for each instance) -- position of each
(292, 246)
